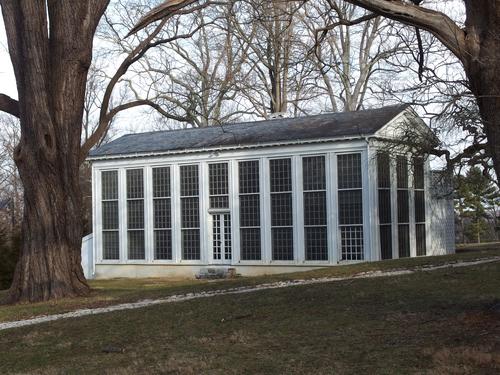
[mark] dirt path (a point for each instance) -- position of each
(238, 290)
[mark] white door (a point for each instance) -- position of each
(221, 238)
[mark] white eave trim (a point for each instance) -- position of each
(229, 148)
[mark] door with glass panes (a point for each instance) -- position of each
(219, 211)
(221, 238)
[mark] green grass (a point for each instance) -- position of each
(109, 292)
(428, 322)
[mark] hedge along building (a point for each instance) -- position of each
(264, 197)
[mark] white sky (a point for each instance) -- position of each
(7, 80)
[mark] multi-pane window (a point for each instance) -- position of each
(250, 246)
(135, 214)
(162, 214)
(190, 212)
(403, 202)
(384, 204)
(218, 185)
(219, 199)
(419, 191)
(350, 203)
(281, 209)
(315, 225)
(110, 232)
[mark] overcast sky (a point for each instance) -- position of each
(7, 80)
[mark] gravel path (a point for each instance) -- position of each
(238, 290)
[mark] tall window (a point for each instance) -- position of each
(350, 205)
(162, 214)
(419, 186)
(219, 199)
(403, 207)
(315, 225)
(281, 209)
(249, 210)
(110, 233)
(135, 214)
(384, 204)
(190, 212)
(218, 181)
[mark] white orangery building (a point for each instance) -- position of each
(264, 197)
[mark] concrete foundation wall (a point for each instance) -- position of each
(109, 271)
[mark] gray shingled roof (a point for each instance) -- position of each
(324, 126)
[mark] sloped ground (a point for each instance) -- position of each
(118, 291)
(445, 321)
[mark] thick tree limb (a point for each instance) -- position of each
(9, 105)
(437, 23)
(161, 11)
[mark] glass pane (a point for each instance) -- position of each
(250, 210)
(190, 212)
(218, 179)
(249, 176)
(280, 175)
(351, 238)
(163, 244)
(350, 207)
(135, 184)
(110, 245)
(162, 215)
(282, 242)
(191, 244)
(404, 240)
(383, 170)
(313, 171)
(316, 243)
(161, 182)
(403, 206)
(402, 172)
(281, 209)
(418, 173)
(189, 180)
(110, 215)
(109, 184)
(250, 243)
(419, 206)
(219, 202)
(136, 250)
(420, 237)
(315, 208)
(386, 241)
(384, 206)
(135, 214)
(349, 171)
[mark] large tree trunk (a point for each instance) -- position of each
(481, 63)
(50, 262)
(51, 73)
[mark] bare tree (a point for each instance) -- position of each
(351, 52)
(275, 64)
(11, 191)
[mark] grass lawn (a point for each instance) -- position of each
(428, 322)
(110, 292)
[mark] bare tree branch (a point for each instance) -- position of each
(9, 105)
(437, 23)
(166, 9)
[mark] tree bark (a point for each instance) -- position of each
(51, 73)
(481, 62)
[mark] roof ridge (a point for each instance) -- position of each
(403, 106)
